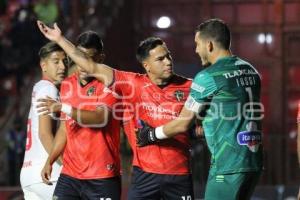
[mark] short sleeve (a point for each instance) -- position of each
(202, 89)
(108, 100)
(124, 83)
(44, 91)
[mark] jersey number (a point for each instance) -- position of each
(29, 136)
(188, 197)
(250, 94)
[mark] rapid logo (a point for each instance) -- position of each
(91, 91)
(179, 94)
(252, 137)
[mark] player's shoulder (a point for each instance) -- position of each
(70, 78)
(180, 80)
(44, 84)
(203, 74)
(44, 88)
(130, 76)
(127, 73)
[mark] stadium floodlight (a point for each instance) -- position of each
(163, 22)
(269, 38)
(261, 38)
(265, 38)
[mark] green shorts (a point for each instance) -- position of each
(237, 186)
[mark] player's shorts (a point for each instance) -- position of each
(69, 188)
(237, 186)
(160, 187)
(39, 191)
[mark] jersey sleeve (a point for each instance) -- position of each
(202, 89)
(44, 92)
(124, 83)
(108, 100)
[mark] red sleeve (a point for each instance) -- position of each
(124, 83)
(108, 99)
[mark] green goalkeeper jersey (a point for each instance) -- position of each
(229, 90)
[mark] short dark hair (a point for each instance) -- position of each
(145, 46)
(90, 40)
(217, 30)
(49, 48)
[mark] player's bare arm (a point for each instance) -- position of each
(48, 105)
(102, 72)
(99, 116)
(57, 149)
(45, 131)
(148, 135)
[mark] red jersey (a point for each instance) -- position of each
(156, 106)
(90, 152)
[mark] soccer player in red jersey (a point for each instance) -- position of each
(162, 170)
(88, 137)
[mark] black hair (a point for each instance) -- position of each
(90, 40)
(49, 48)
(217, 30)
(145, 46)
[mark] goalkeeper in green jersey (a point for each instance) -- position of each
(228, 91)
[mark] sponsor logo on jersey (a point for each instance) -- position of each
(179, 95)
(239, 72)
(251, 137)
(91, 91)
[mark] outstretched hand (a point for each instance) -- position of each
(54, 34)
(145, 134)
(48, 105)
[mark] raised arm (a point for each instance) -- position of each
(102, 72)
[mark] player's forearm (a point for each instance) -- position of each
(85, 117)
(54, 155)
(180, 124)
(58, 147)
(101, 72)
(46, 139)
(176, 126)
(76, 55)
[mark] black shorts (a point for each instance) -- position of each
(68, 188)
(149, 186)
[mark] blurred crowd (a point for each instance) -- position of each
(20, 42)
